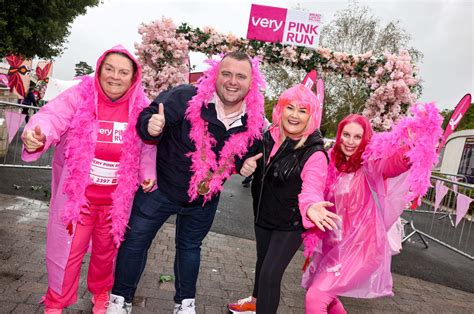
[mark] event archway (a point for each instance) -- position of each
(391, 78)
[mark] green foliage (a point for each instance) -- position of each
(467, 122)
(269, 104)
(38, 28)
(165, 278)
(280, 77)
(82, 68)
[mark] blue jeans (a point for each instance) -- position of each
(149, 212)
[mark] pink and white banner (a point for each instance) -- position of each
(441, 191)
(310, 79)
(462, 205)
(289, 27)
(14, 120)
(455, 118)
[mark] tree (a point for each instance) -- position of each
(38, 28)
(355, 30)
(280, 77)
(82, 68)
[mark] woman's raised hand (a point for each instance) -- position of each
(322, 217)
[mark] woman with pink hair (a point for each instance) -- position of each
(289, 176)
(370, 180)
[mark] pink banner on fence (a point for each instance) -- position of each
(462, 205)
(441, 191)
(14, 120)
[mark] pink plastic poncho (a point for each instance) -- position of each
(355, 260)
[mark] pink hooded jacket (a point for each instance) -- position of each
(70, 123)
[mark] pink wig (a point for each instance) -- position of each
(302, 96)
(354, 162)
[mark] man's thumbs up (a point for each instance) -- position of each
(250, 164)
(157, 121)
(33, 139)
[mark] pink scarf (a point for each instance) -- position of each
(204, 159)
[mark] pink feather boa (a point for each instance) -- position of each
(204, 159)
(80, 148)
(421, 132)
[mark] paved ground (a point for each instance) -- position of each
(227, 272)
(234, 217)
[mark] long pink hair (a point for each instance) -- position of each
(354, 162)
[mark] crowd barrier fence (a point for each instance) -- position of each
(440, 225)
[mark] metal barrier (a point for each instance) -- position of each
(452, 177)
(10, 152)
(439, 225)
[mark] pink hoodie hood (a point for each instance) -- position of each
(136, 80)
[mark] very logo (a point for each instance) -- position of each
(275, 25)
(105, 132)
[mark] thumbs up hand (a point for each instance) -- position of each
(250, 164)
(33, 139)
(157, 122)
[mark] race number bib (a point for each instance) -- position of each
(104, 172)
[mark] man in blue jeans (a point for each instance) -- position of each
(201, 134)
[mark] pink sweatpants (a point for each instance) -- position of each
(100, 276)
(318, 302)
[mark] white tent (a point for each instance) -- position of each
(57, 86)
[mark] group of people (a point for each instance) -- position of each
(122, 166)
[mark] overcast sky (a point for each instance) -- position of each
(441, 30)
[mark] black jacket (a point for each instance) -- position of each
(276, 185)
(172, 163)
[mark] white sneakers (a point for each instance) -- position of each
(117, 305)
(187, 306)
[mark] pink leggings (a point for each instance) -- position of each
(95, 226)
(318, 302)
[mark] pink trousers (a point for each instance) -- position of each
(318, 302)
(96, 227)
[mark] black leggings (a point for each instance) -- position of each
(275, 249)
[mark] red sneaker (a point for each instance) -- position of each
(246, 306)
(100, 301)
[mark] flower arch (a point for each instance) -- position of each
(391, 78)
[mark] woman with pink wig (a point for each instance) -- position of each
(371, 178)
(289, 176)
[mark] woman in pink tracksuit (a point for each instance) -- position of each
(370, 180)
(95, 174)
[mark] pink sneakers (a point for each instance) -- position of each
(100, 302)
